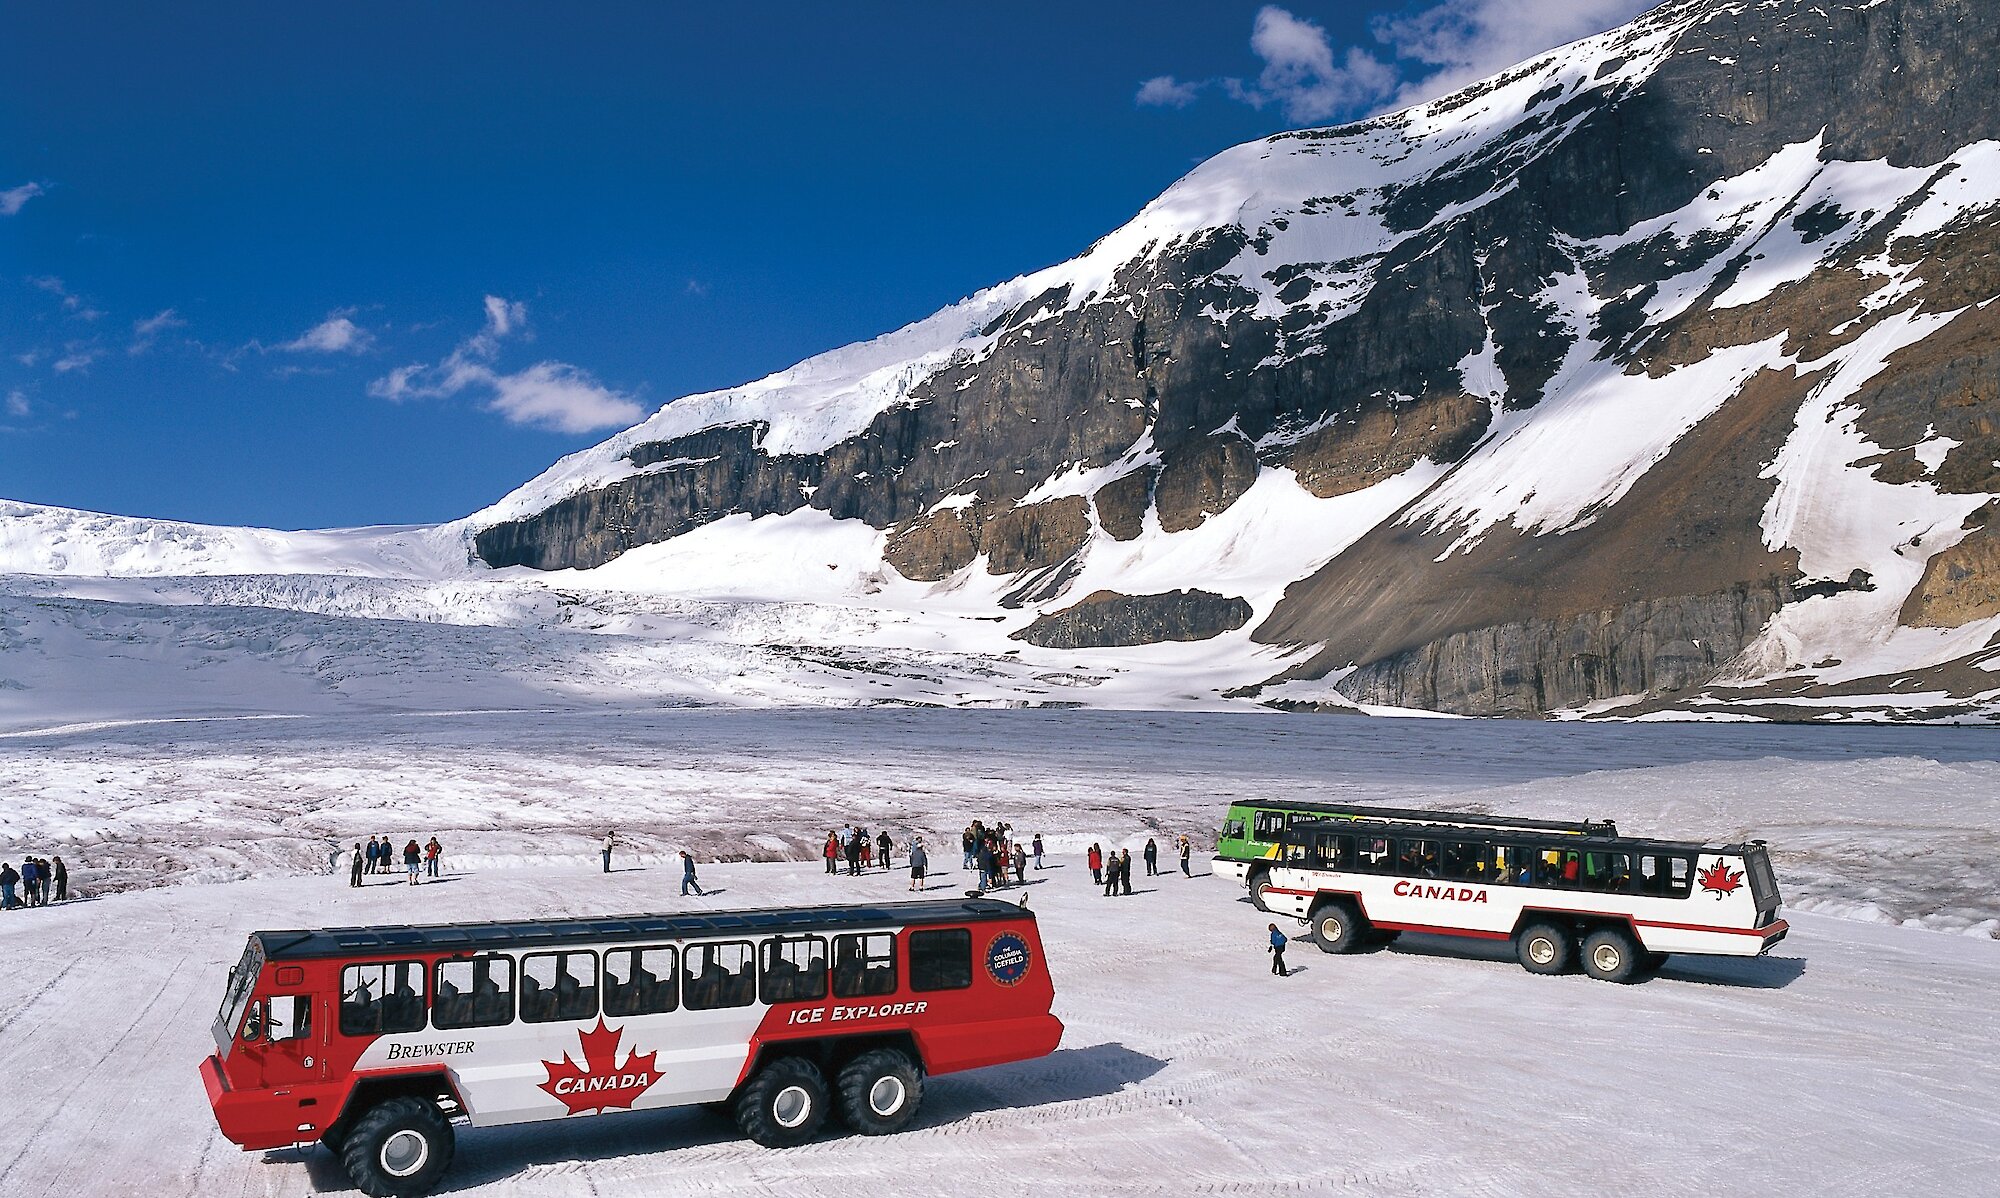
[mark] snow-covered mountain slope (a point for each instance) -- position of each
(1654, 371)
(1654, 375)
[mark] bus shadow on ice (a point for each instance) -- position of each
(1029, 1089)
(1748, 973)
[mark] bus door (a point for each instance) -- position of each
(283, 1037)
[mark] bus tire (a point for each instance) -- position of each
(398, 1148)
(1545, 947)
(1259, 883)
(1338, 928)
(784, 1105)
(1609, 955)
(880, 1092)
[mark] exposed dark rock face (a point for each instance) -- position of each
(1107, 619)
(1530, 667)
(1181, 386)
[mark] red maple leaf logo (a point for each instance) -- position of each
(602, 1081)
(1719, 879)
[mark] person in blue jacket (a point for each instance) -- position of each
(1278, 942)
(687, 874)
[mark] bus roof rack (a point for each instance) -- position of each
(1359, 811)
(470, 938)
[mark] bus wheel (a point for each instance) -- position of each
(1259, 883)
(880, 1092)
(1338, 928)
(1545, 948)
(398, 1148)
(1610, 956)
(784, 1105)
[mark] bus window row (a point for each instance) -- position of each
(1610, 871)
(549, 987)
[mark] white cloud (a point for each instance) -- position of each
(146, 332)
(1467, 40)
(503, 317)
(71, 302)
(16, 198)
(77, 355)
(1429, 50)
(1164, 91)
(559, 396)
(696, 287)
(17, 404)
(551, 395)
(334, 335)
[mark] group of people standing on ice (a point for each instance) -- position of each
(1113, 870)
(999, 855)
(379, 857)
(861, 852)
(41, 882)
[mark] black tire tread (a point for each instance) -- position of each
(1358, 930)
(358, 1147)
(1565, 960)
(858, 1077)
(753, 1114)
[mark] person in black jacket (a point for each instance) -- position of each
(354, 863)
(61, 875)
(9, 878)
(1152, 858)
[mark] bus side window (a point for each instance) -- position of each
(290, 1016)
(794, 969)
(719, 974)
(1465, 861)
(1609, 872)
(864, 965)
(1375, 855)
(558, 986)
(1419, 859)
(1332, 852)
(1269, 825)
(378, 999)
(941, 959)
(1233, 830)
(1548, 867)
(640, 981)
(1680, 877)
(474, 993)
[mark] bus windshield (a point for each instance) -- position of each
(242, 979)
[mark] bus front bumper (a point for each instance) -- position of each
(264, 1119)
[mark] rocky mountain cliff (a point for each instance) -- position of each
(1658, 371)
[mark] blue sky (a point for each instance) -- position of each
(299, 266)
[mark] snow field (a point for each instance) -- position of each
(1856, 1059)
(1887, 824)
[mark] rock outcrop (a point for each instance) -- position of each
(1107, 619)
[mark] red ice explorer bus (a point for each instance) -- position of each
(376, 1041)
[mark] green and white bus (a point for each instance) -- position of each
(1251, 832)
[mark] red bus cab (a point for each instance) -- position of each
(377, 1041)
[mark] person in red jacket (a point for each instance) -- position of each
(832, 852)
(1096, 865)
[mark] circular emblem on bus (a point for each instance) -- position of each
(1007, 958)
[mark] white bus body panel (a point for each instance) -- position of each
(1714, 922)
